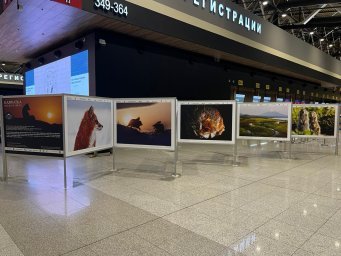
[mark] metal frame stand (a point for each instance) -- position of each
(337, 133)
(337, 144)
(324, 144)
(64, 143)
(4, 155)
(114, 160)
(235, 162)
(175, 174)
(65, 176)
(290, 151)
(4, 167)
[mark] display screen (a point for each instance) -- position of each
(287, 100)
(267, 99)
(279, 99)
(67, 75)
(256, 98)
(240, 97)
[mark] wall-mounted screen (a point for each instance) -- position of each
(67, 75)
(279, 100)
(240, 97)
(256, 98)
(266, 99)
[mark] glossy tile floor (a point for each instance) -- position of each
(269, 205)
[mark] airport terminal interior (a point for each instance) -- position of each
(170, 128)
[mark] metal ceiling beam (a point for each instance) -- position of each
(313, 14)
(321, 22)
(298, 3)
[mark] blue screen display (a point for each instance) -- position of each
(256, 98)
(67, 75)
(267, 99)
(240, 97)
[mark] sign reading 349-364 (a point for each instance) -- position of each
(114, 7)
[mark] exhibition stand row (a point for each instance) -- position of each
(67, 125)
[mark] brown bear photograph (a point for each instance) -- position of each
(147, 123)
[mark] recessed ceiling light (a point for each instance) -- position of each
(322, 39)
(265, 2)
(3, 64)
(311, 33)
(284, 15)
(330, 46)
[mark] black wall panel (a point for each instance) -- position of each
(131, 68)
(126, 67)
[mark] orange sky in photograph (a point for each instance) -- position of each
(47, 109)
(149, 115)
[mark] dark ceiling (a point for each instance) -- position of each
(317, 22)
(41, 25)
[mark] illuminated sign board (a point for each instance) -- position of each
(8, 78)
(74, 3)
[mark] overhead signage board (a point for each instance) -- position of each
(9, 78)
(225, 15)
(204, 21)
(74, 3)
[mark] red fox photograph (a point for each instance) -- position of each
(89, 124)
(86, 135)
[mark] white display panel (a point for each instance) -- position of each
(211, 122)
(33, 124)
(67, 75)
(145, 123)
(88, 124)
(315, 120)
(264, 121)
